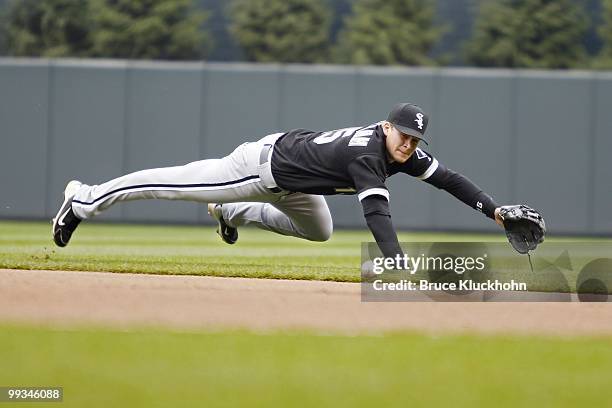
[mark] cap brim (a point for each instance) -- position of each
(412, 132)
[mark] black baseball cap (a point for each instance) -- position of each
(409, 119)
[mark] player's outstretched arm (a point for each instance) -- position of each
(378, 217)
(464, 190)
(524, 226)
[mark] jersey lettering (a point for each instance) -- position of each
(360, 136)
(332, 135)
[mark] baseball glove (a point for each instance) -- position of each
(525, 227)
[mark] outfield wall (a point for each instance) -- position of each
(538, 137)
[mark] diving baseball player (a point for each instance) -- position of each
(278, 182)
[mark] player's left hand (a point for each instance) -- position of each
(498, 219)
(525, 227)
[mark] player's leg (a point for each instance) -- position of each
(233, 178)
(299, 215)
(202, 181)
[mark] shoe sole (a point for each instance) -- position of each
(63, 208)
(219, 227)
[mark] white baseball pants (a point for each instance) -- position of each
(242, 181)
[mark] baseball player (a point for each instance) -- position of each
(278, 182)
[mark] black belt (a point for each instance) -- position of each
(263, 158)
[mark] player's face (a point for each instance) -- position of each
(400, 146)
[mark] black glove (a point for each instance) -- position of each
(525, 227)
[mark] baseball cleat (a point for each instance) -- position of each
(228, 234)
(65, 221)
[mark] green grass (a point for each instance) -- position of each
(196, 250)
(104, 368)
(160, 368)
(193, 250)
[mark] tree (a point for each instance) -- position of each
(281, 30)
(389, 32)
(529, 34)
(46, 28)
(604, 59)
(148, 29)
(3, 30)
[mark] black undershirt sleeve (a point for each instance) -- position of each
(378, 218)
(463, 189)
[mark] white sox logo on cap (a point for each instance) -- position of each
(410, 120)
(419, 120)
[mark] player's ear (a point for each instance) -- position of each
(386, 127)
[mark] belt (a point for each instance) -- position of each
(264, 157)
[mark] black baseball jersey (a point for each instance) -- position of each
(355, 161)
(344, 161)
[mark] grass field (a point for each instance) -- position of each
(196, 250)
(154, 368)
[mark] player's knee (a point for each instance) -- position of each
(320, 237)
(322, 233)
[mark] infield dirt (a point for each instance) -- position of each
(195, 302)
